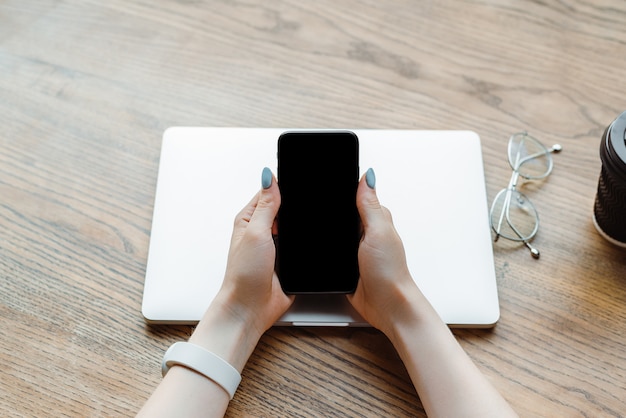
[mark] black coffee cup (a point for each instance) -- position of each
(610, 204)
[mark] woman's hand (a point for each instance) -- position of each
(248, 303)
(250, 299)
(385, 284)
(389, 299)
(251, 289)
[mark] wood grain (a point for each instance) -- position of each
(87, 89)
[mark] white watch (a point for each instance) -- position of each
(204, 362)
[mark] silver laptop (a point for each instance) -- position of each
(432, 181)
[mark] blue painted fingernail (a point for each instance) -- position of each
(370, 178)
(266, 178)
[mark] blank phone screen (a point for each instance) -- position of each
(318, 222)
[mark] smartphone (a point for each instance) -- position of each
(318, 223)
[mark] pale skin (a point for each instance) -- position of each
(251, 300)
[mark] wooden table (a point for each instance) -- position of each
(87, 89)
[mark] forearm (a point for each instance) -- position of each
(446, 379)
(184, 392)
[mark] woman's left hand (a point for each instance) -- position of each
(251, 289)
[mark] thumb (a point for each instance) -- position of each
(268, 202)
(367, 202)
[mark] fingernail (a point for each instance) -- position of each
(266, 178)
(370, 178)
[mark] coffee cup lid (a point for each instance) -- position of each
(618, 137)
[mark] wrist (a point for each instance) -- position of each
(226, 333)
(412, 314)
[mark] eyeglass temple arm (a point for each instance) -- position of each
(556, 148)
(533, 251)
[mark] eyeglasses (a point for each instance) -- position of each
(512, 215)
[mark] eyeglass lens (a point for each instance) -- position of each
(529, 157)
(513, 216)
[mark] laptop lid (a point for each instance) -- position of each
(431, 181)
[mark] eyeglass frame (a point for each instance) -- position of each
(512, 187)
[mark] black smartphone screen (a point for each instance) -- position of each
(318, 222)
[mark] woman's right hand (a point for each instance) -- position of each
(386, 289)
(388, 298)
